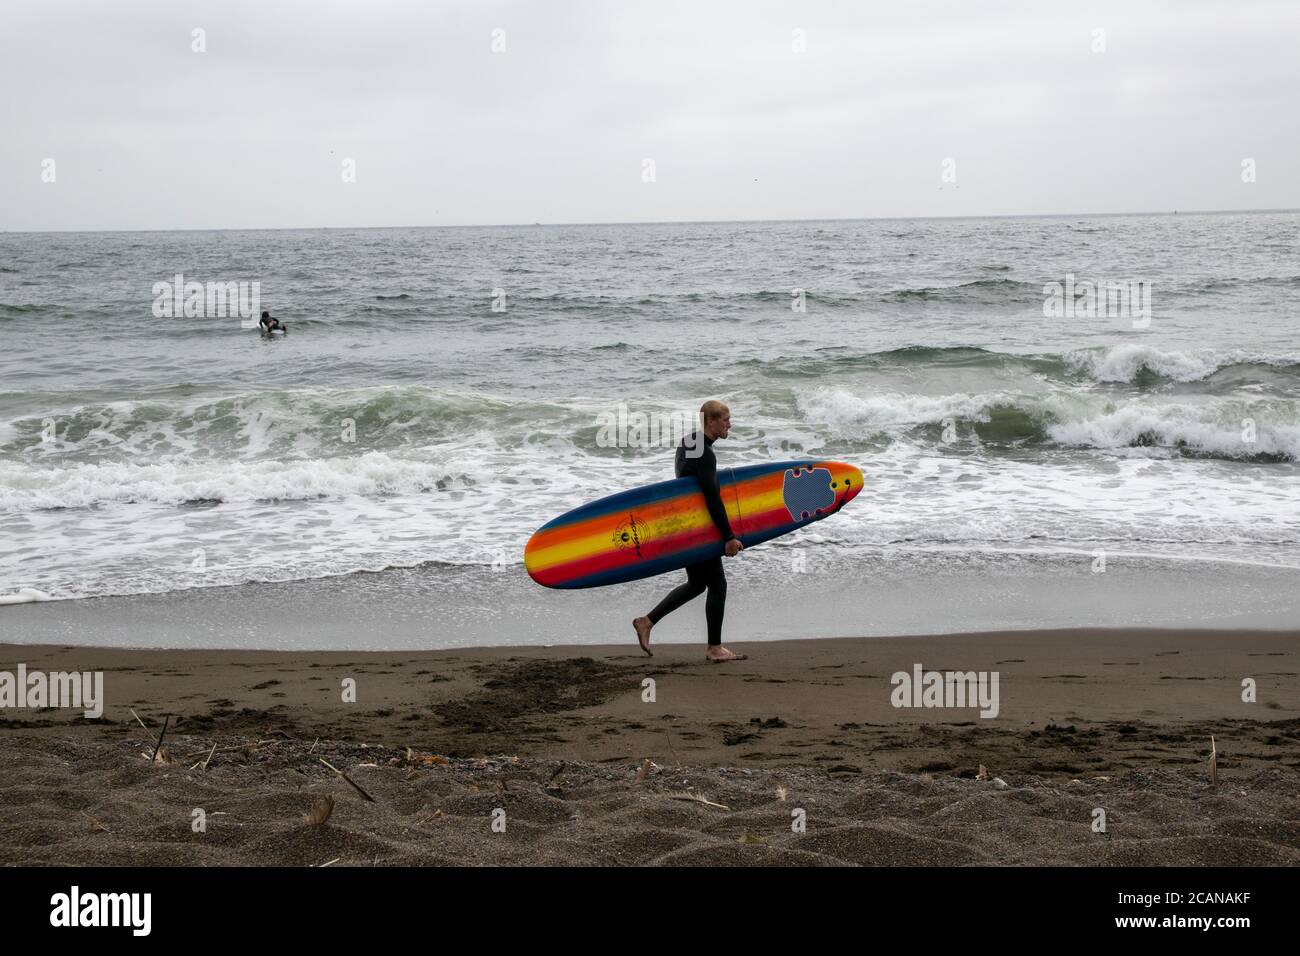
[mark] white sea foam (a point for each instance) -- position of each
(1207, 430)
(1226, 427)
(24, 596)
(1123, 363)
(846, 412)
(27, 488)
(377, 512)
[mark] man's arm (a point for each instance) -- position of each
(707, 475)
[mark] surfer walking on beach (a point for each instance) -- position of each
(695, 458)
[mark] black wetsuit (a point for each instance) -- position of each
(706, 574)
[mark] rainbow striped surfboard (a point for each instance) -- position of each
(666, 526)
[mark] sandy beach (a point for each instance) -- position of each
(556, 739)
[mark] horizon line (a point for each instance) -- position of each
(678, 222)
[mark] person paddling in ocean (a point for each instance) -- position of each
(695, 457)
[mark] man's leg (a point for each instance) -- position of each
(716, 603)
(714, 606)
(697, 579)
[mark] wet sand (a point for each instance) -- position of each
(557, 739)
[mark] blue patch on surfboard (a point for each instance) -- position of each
(806, 492)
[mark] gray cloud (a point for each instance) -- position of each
(147, 134)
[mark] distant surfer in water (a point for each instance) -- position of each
(270, 324)
(695, 457)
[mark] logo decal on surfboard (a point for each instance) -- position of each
(806, 492)
(628, 535)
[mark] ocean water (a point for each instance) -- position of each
(406, 423)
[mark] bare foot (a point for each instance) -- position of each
(720, 655)
(642, 627)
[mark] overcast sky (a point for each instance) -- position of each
(147, 134)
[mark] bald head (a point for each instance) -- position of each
(715, 418)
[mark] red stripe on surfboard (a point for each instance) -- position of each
(562, 534)
(609, 560)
